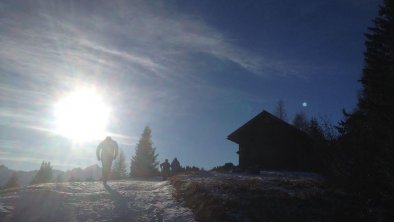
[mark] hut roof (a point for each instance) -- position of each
(262, 120)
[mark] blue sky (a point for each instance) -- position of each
(194, 71)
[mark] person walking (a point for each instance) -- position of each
(165, 169)
(107, 151)
(175, 166)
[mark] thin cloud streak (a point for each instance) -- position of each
(57, 50)
(49, 49)
(166, 41)
(53, 50)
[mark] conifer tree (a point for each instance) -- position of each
(44, 174)
(119, 168)
(144, 163)
(300, 121)
(314, 130)
(12, 181)
(378, 75)
(367, 132)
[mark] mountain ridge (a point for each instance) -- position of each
(92, 172)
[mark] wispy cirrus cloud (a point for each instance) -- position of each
(141, 39)
(44, 50)
(141, 51)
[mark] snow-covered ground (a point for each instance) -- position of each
(269, 196)
(128, 200)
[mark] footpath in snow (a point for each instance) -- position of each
(128, 200)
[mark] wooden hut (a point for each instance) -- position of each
(269, 143)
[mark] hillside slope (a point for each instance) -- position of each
(270, 196)
(130, 200)
(203, 196)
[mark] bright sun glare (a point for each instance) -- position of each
(82, 116)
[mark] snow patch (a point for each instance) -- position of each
(127, 200)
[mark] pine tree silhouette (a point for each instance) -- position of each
(44, 174)
(300, 121)
(367, 132)
(143, 163)
(12, 181)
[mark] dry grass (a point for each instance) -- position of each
(281, 199)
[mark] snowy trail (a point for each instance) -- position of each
(129, 200)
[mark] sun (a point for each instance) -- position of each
(81, 116)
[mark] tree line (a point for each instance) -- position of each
(357, 154)
(143, 164)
